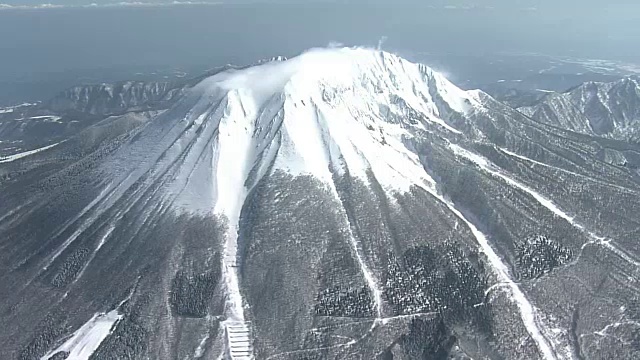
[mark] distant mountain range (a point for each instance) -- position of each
(604, 109)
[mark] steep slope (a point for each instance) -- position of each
(110, 99)
(604, 109)
(345, 203)
(28, 127)
(33, 126)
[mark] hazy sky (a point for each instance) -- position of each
(576, 5)
(572, 8)
(61, 40)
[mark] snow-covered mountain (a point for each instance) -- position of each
(603, 109)
(108, 99)
(345, 203)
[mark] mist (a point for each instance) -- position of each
(50, 40)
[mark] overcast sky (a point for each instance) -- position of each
(576, 4)
(575, 7)
(59, 40)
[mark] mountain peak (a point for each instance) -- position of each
(326, 72)
(605, 109)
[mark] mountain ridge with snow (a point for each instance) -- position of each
(292, 91)
(342, 203)
(595, 108)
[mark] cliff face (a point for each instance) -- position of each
(109, 99)
(605, 109)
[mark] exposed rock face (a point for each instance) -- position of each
(109, 99)
(604, 109)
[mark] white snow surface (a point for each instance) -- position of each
(17, 156)
(46, 118)
(326, 112)
(324, 109)
(86, 340)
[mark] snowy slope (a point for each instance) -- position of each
(324, 113)
(86, 340)
(327, 113)
(606, 109)
(15, 157)
(345, 203)
(330, 110)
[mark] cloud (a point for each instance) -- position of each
(381, 42)
(107, 5)
(39, 6)
(467, 7)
